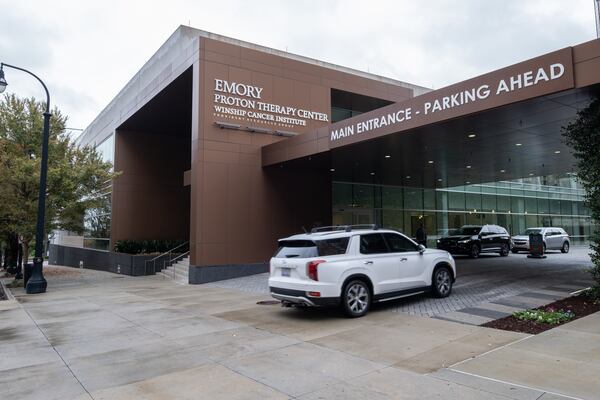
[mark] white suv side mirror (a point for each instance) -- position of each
(422, 249)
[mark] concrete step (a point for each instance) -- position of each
(182, 265)
(179, 267)
(177, 271)
(182, 262)
(180, 279)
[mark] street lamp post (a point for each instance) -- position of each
(37, 283)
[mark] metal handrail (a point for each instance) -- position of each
(174, 261)
(166, 253)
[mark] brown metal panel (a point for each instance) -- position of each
(218, 46)
(221, 146)
(302, 77)
(240, 75)
(221, 58)
(586, 72)
(214, 192)
(239, 208)
(586, 51)
(255, 66)
(260, 57)
(215, 253)
(250, 159)
(302, 68)
(240, 137)
(225, 157)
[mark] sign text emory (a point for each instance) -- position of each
(242, 100)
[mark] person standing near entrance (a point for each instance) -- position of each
(421, 235)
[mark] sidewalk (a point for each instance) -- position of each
(103, 336)
(564, 360)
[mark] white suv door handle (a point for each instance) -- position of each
(368, 262)
(404, 259)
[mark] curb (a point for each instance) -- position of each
(7, 292)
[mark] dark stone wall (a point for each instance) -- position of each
(135, 265)
(212, 273)
(118, 263)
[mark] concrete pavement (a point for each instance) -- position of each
(564, 360)
(96, 335)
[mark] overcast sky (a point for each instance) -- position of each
(87, 51)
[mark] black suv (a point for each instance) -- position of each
(472, 240)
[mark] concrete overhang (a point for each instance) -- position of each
(448, 138)
(180, 52)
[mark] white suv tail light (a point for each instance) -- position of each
(312, 269)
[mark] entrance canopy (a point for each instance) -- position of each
(506, 143)
(499, 126)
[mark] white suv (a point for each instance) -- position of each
(355, 267)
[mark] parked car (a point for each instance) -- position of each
(445, 232)
(472, 240)
(441, 233)
(554, 239)
(354, 267)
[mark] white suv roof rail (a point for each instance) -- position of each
(347, 228)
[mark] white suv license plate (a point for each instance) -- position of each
(285, 271)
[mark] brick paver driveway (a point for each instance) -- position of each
(487, 288)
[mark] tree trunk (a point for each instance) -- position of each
(12, 252)
(25, 252)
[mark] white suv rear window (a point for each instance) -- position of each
(311, 248)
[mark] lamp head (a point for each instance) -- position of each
(3, 83)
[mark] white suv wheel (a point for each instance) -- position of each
(442, 282)
(356, 298)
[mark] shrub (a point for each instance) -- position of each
(545, 316)
(146, 246)
(593, 293)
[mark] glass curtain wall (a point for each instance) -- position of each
(97, 220)
(515, 205)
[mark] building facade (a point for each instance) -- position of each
(231, 145)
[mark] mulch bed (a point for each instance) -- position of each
(53, 270)
(579, 305)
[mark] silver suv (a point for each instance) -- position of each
(554, 239)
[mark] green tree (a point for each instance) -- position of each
(75, 174)
(583, 136)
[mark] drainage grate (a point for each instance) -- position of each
(268, 302)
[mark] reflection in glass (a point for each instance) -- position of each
(515, 205)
